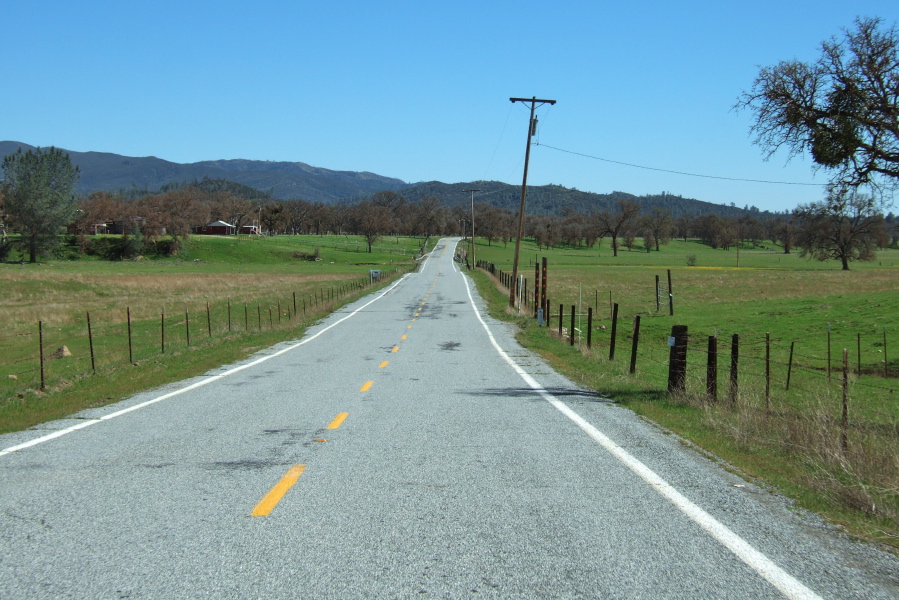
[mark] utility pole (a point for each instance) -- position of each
(473, 263)
(532, 129)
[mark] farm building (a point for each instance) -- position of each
(215, 228)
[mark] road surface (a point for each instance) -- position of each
(406, 447)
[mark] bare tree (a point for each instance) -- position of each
(785, 232)
(615, 224)
(371, 221)
(842, 109)
(658, 226)
(844, 226)
(684, 227)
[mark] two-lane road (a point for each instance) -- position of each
(405, 447)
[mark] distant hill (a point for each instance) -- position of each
(282, 180)
(134, 176)
(556, 199)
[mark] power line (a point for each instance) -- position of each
(618, 162)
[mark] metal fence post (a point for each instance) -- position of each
(634, 344)
(90, 341)
(614, 331)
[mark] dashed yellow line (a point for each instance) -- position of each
(367, 386)
(395, 349)
(338, 420)
(404, 337)
(270, 500)
(383, 364)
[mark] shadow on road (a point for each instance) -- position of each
(526, 392)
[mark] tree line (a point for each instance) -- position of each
(37, 201)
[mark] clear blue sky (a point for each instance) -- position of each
(420, 90)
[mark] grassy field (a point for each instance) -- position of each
(792, 439)
(231, 296)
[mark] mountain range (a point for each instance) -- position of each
(284, 180)
(295, 180)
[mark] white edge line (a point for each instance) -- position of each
(193, 386)
(788, 585)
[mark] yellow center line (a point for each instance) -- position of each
(404, 337)
(338, 420)
(384, 364)
(270, 501)
(395, 349)
(367, 386)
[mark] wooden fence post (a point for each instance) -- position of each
(571, 332)
(561, 318)
(711, 370)
(536, 287)
(677, 360)
(670, 295)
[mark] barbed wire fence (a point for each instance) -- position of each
(52, 356)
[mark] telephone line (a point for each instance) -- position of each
(618, 162)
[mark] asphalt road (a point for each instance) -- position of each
(405, 447)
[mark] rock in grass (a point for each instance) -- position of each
(61, 352)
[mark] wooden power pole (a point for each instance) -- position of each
(532, 129)
(473, 262)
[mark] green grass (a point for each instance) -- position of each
(793, 442)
